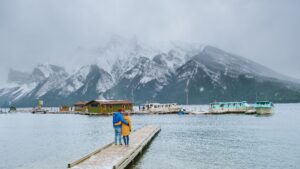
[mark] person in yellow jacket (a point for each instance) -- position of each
(126, 129)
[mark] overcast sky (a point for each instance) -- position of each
(49, 31)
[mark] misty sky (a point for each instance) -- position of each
(50, 31)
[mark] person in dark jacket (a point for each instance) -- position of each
(118, 120)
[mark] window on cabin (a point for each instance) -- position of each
(94, 105)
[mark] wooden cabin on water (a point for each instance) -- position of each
(108, 106)
(80, 106)
(64, 108)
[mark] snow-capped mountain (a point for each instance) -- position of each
(81, 79)
(215, 75)
(87, 78)
(127, 69)
(51, 82)
(42, 79)
(119, 49)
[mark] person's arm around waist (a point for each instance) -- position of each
(123, 121)
(118, 123)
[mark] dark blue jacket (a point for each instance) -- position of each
(117, 117)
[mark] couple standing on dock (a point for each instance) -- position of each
(122, 126)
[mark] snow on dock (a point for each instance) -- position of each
(115, 156)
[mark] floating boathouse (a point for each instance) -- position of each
(108, 106)
(80, 106)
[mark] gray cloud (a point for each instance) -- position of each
(34, 31)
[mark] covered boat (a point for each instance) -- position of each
(159, 108)
(39, 108)
(264, 107)
(229, 107)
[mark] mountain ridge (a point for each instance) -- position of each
(182, 74)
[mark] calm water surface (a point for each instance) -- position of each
(35, 141)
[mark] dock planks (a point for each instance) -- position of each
(115, 156)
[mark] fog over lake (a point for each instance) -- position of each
(67, 31)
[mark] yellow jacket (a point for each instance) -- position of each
(126, 129)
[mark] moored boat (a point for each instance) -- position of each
(264, 107)
(12, 109)
(229, 107)
(39, 108)
(158, 108)
(182, 112)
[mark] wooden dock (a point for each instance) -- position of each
(115, 156)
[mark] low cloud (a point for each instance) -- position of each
(48, 31)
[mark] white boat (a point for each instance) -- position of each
(230, 107)
(264, 107)
(158, 108)
(39, 110)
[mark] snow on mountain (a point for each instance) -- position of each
(186, 50)
(14, 91)
(233, 65)
(42, 79)
(147, 70)
(23, 82)
(44, 71)
(190, 69)
(119, 49)
(49, 77)
(105, 82)
(122, 66)
(119, 55)
(22, 90)
(75, 81)
(130, 69)
(84, 78)
(172, 60)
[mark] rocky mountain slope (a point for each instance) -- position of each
(182, 73)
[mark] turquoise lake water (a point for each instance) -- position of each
(35, 141)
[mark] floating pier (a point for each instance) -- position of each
(115, 156)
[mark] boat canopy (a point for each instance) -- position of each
(229, 104)
(264, 103)
(158, 105)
